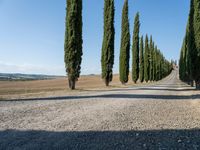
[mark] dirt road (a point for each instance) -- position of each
(163, 116)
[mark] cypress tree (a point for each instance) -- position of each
(125, 46)
(151, 59)
(135, 49)
(186, 59)
(189, 49)
(107, 57)
(146, 60)
(154, 62)
(195, 48)
(73, 41)
(183, 61)
(161, 67)
(185, 56)
(181, 72)
(157, 65)
(141, 60)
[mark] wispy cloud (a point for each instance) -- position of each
(40, 69)
(31, 69)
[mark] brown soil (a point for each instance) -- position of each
(59, 86)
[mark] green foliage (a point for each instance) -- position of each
(148, 63)
(183, 69)
(73, 41)
(151, 47)
(141, 59)
(146, 60)
(189, 50)
(195, 54)
(135, 49)
(107, 58)
(156, 67)
(189, 69)
(125, 46)
(154, 62)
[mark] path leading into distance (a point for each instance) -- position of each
(163, 116)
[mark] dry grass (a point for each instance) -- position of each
(55, 87)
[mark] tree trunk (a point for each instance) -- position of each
(123, 83)
(197, 82)
(69, 82)
(107, 82)
(72, 84)
(192, 83)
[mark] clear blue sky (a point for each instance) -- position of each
(32, 32)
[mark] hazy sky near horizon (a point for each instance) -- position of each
(32, 32)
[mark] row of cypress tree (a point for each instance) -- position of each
(148, 62)
(189, 70)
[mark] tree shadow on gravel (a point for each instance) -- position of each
(92, 140)
(149, 88)
(112, 96)
(172, 86)
(167, 89)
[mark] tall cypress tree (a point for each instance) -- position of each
(107, 58)
(125, 46)
(141, 60)
(151, 59)
(154, 62)
(186, 57)
(181, 63)
(195, 54)
(158, 65)
(146, 60)
(73, 41)
(135, 49)
(161, 66)
(183, 60)
(189, 50)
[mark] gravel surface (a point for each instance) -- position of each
(163, 116)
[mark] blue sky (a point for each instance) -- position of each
(32, 32)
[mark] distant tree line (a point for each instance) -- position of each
(148, 63)
(190, 52)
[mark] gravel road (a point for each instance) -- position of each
(162, 116)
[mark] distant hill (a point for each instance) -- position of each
(24, 77)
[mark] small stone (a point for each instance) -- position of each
(144, 145)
